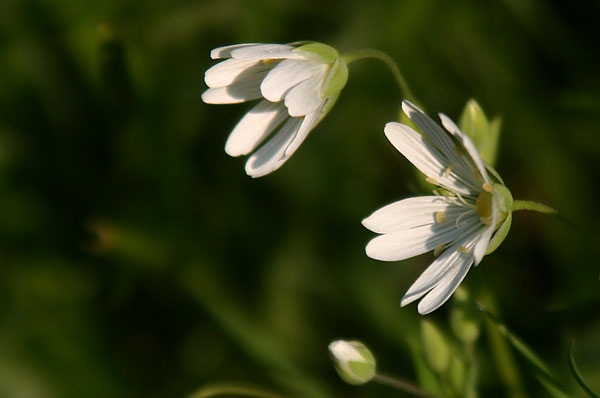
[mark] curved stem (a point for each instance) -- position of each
(534, 206)
(380, 55)
(402, 386)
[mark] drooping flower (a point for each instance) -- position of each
(297, 86)
(467, 218)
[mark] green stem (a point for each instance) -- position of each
(540, 208)
(545, 375)
(534, 206)
(402, 386)
(380, 55)
(577, 374)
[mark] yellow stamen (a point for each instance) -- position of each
(463, 249)
(440, 217)
(439, 249)
(487, 187)
(448, 170)
(484, 208)
(268, 61)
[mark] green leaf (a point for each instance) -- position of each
(577, 374)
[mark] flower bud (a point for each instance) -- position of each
(485, 134)
(353, 361)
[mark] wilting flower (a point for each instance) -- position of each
(298, 85)
(468, 216)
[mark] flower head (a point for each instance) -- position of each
(297, 86)
(468, 216)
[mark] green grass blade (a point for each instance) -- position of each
(577, 374)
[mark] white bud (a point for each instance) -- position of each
(353, 361)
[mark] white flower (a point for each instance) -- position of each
(457, 223)
(297, 85)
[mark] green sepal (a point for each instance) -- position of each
(336, 79)
(485, 134)
(503, 197)
(362, 372)
(321, 50)
(500, 235)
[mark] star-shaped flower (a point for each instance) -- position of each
(467, 218)
(298, 85)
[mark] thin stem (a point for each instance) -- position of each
(380, 55)
(534, 206)
(577, 374)
(541, 208)
(402, 385)
(533, 360)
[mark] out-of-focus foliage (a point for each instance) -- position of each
(137, 258)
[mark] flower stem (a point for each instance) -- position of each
(541, 208)
(534, 206)
(380, 55)
(402, 386)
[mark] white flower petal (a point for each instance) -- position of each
(305, 97)
(229, 95)
(440, 267)
(246, 87)
(226, 72)
(468, 144)
(440, 138)
(286, 75)
(484, 241)
(264, 51)
(254, 127)
(225, 51)
(270, 156)
(442, 292)
(425, 156)
(409, 213)
(408, 243)
(309, 122)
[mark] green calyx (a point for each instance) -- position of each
(504, 202)
(317, 50)
(336, 79)
(338, 73)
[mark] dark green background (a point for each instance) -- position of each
(138, 260)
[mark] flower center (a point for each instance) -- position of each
(484, 207)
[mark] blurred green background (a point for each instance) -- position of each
(138, 260)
